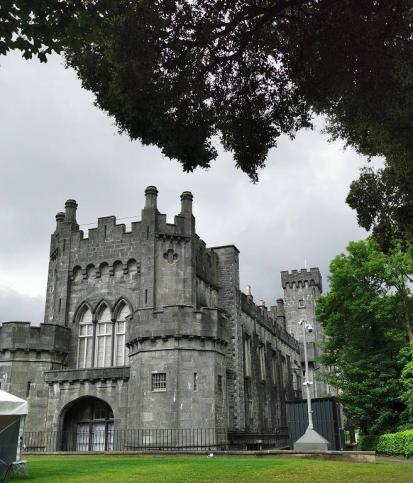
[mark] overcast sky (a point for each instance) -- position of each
(55, 144)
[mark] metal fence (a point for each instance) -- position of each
(191, 439)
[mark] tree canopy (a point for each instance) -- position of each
(367, 321)
(177, 73)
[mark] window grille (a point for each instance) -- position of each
(159, 381)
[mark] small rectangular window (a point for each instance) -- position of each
(247, 357)
(159, 381)
(219, 383)
(60, 304)
(274, 368)
(262, 362)
(301, 304)
(64, 244)
(195, 381)
(146, 296)
(29, 384)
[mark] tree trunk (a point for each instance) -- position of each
(406, 316)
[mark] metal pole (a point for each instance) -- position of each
(307, 382)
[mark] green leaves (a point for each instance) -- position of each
(364, 319)
(175, 73)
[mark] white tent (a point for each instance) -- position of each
(12, 405)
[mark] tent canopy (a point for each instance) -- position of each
(12, 405)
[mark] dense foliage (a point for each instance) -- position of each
(366, 317)
(396, 444)
(384, 203)
(40, 27)
(176, 73)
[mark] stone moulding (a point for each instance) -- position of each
(92, 374)
(24, 336)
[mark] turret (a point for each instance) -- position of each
(151, 195)
(186, 203)
(60, 218)
(70, 208)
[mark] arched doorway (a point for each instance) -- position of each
(88, 426)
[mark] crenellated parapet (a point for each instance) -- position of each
(262, 316)
(301, 278)
(24, 336)
(178, 322)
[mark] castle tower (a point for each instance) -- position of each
(302, 288)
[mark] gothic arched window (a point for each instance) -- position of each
(103, 347)
(120, 333)
(85, 346)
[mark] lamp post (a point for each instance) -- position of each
(307, 382)
(310, 440)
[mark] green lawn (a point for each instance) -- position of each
(104, 469)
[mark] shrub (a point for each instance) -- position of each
(396, 444)
(367, 442)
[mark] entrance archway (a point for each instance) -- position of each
(88, 426)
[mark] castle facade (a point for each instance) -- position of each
(148, 329)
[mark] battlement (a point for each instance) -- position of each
(302, 278)
(24, 336)
(178, 321)
(265, 318)
(107, 228)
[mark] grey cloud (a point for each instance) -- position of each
(17, 306)
(55, 145)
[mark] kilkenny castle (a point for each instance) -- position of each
(148, 328)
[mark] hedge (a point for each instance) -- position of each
(368, 442)
(396, 444)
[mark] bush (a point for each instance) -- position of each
(367, 442)
(396, 444)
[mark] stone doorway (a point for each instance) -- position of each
(88, 426)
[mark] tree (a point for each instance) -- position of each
(40, 27)
(383, 204)
(177, 73)
(364, 319)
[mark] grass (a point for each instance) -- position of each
(105, 469)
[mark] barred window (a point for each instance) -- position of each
(159, 381)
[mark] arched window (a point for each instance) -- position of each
(118, 269)
(104, 270)
(90, 271)
(103, 348)
(85, 346)
(132, 268)
(77, 274)
(120, 334)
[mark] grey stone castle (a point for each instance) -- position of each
(148, 328)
